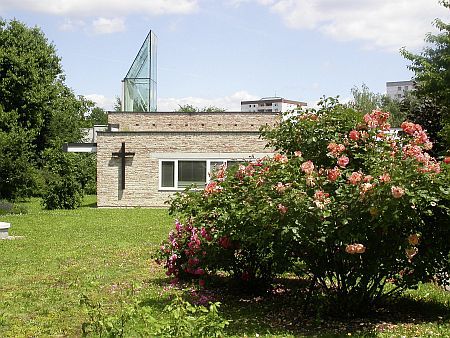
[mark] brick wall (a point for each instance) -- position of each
(142, 179)
(172, 121)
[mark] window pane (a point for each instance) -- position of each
(191, 172)
(167, 173)
(214, 166)
(234, 163)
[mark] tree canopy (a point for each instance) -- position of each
(188, 108)
(432, 78)
(366, 101)
(38, 110)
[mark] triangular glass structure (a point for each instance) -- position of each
(139, 85)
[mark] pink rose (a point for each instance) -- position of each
(282, 209)
(355, 178)
(308, 167)
(354, 135)
(397, 192)
(343, 161)
(413, 239)
(333, 174)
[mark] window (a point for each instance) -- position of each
(399, 88)
(167, 174)
(191, 172)
(179, 174)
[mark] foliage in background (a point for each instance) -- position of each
(366, 101)
(37, 109)
(16, 158)
(32, 84)
(68, 177)
(8, 208)
(359, 206)
(187, 108)
(97, 116)
(432, 77)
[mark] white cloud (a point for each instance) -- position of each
(107, 26)
(229, 103)
(384, 24)
(88, 8)
(70, 25)
(102, 101)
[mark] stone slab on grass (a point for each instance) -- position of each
(4, 227)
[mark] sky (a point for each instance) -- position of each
(217, 53)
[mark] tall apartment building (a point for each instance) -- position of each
(396, 90)
(271, 104)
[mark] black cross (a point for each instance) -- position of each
(123, 155)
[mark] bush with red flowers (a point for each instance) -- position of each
(365, 209)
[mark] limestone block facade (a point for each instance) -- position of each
(159, 139)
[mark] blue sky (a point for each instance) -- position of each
(221, 52)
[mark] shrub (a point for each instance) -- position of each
(359, 205)
(180, 319)
(63, 187)
(7, 208)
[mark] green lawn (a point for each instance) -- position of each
(105, 253)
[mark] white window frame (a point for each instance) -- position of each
(175, 171)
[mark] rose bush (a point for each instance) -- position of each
(365, 209)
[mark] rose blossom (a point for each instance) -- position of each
(333, 174)
(335, 149)
(368, 178)
(282, 209)
(308, 167)
(343, 161)
(355, 178)
(354, 135)
(360, 248)
(385, 178)
(413, 239)
(298, 153)
(447, 160)
(365, 187)
(397, 192)
(350, 248)
(280, 187)
(280, 158)
(356, 248)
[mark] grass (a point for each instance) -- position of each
(105, 253)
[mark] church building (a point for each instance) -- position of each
(144, 156)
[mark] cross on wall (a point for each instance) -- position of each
(123, 155)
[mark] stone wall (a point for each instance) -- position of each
(142, 170)
(172, 121)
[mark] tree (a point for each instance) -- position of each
(188, 108)
(432, 78)
(97, 116)
(16, 170)
(366, 101)
(38, 112)
(118, 104)
(63, 189)
(32, 84)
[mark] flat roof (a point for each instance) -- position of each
(400, 83)
(274, 99)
